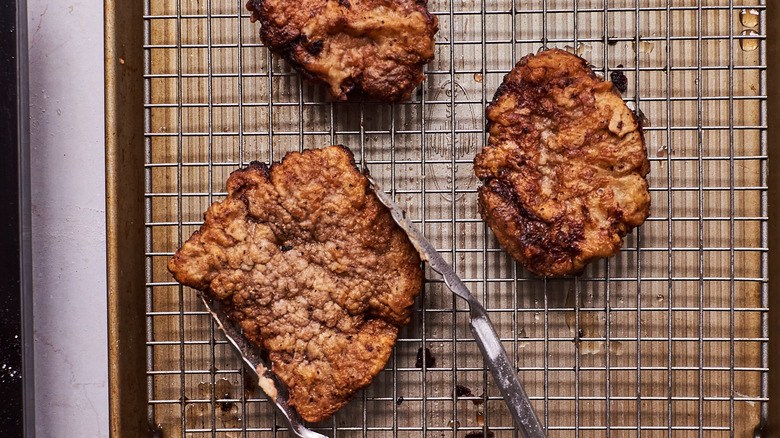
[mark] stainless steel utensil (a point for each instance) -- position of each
(268, 382)
(504, 372)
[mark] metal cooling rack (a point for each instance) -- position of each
(667, 338)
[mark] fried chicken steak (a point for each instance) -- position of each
(312, 266)
(564, 169)
(373, 47)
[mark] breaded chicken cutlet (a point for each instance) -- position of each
(312, 266)
(372, 47)
(564, 169)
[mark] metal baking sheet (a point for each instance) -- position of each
(667, 338)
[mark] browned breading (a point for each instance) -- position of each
(564, 169)
(310, 263)
(373, 47)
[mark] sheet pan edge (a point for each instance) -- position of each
(124, 218)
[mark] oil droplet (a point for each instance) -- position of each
(195, 413)
(748, 44)
(537, 316)
(223, 389)
(748, 17)
(520, 336)
(480, 418)
(157, 431)
(645, 47)
(203, 389)
(616, 347)
(592, 347)
(478, 77)
(455, 423)
(580, 50)
(659, 298)
(661, 152)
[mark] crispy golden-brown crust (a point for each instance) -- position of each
(311, 265)
(374, 47)
(564, 169)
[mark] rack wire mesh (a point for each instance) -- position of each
(667, 338)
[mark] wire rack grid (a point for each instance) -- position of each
(667, 338)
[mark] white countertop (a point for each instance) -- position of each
(68, 217)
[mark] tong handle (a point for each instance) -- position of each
(504, 372)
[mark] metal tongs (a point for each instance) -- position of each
(503, 371)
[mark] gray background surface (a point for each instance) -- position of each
(68, 203)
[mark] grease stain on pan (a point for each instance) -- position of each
(227, 413)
